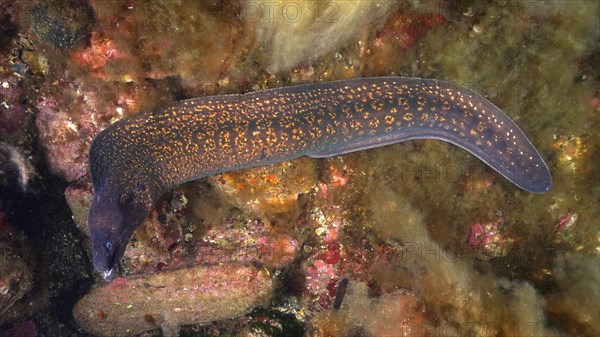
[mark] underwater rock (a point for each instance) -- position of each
(170, 239)
(18, 292)
(129, 306)
(63, 24)
(101, 51)
(8, 25)
(252, 245)
(195, 48)
(59, 137)
(335, 249)
(571, 152)
(268, 191)
(79, 197)
(17, 131)
(15, 119)
(66, 124)
(22, 329)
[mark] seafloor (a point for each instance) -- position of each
(413, 239)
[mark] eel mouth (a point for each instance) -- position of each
(110, 271)
(108, 275)
(108, 265)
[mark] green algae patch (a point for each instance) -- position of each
(129, 306)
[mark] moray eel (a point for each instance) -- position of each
(135, 160)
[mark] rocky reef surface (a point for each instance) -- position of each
(196, 295)
(416, 239)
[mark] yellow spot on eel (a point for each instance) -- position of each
(135, 160)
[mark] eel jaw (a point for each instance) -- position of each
(107, 265)
(108, 275)
(108, 270)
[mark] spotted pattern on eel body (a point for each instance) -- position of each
(135, 160)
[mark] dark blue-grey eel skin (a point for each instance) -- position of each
(135, 160)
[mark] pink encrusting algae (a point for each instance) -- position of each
(489, 240)
(66, 136)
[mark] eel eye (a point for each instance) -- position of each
(108, 245)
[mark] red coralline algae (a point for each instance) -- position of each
(332, 255)
(320, 276)
(566, 222)
(489, 240)
(565, 228)
(477, 235)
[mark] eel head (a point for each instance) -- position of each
(112, 220)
